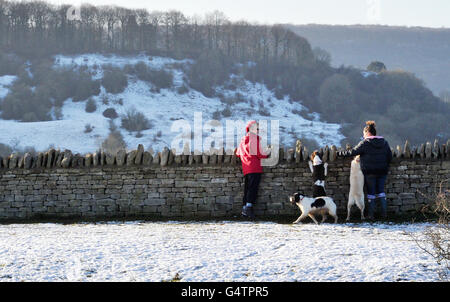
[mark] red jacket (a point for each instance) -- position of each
(250, 153)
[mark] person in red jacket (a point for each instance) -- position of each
(250, 153)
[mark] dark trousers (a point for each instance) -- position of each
(375, 190)
(251, 185)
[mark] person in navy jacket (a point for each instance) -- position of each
(250, 153)
(375, 157)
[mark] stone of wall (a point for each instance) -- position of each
(58, 184)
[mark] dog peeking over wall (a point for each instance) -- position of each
(356, 194)
(319, 171)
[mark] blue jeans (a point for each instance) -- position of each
(375, 189)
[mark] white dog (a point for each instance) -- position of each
(310, 206)
(356, 195)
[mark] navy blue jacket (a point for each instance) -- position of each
(375, 155)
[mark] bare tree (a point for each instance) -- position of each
(28, 26)
(322, 55)
(445, 96)
(437, 238)
(122, 16)
(278, 34)
(109, 14)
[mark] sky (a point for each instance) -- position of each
(425, 13)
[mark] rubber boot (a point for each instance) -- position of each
(383, 204)
(371, 210)
(247, 211)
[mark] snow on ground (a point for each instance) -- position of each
(63, 134)
(162, 109)
(5, 81)
(213, 251)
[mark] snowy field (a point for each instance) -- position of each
(213, 251)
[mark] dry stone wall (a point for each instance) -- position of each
(144, 184)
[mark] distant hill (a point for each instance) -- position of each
(423, 51)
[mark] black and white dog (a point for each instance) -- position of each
(310, 206)
(319, 172)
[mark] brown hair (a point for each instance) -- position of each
(316, 152)
(370, 127)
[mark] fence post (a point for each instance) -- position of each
(406, 150)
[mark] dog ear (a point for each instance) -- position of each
(320, 155)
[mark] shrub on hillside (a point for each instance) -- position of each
(105, 100)
(64, 83)
(226, 112)
(88, 128)
(263, 111)
(232, 100)
(217, 115)
(160, 78)
(114, 80)
(25, 105)
(91, 106)
(85, 87)
(113, 143)
(210, 70)
(135, 121)
(110, 113)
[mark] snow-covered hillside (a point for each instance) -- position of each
(214, 251)
(161, 108)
